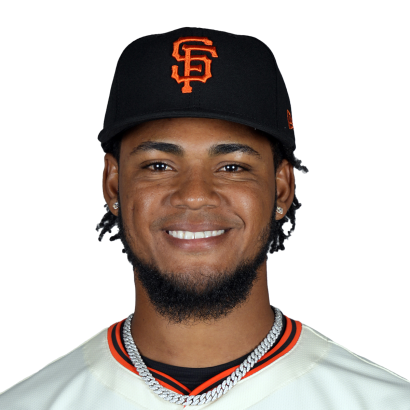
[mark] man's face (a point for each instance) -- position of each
(196, 285)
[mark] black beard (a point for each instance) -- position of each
(184, 299)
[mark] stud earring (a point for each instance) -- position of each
(116, 205)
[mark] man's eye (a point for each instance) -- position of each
(233, 168)
(158, 166)
(228, 165)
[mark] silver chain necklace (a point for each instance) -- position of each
(213, 394)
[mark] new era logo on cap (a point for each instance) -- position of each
(290, 121)
(188, 58)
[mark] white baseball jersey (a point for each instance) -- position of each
(304, 371)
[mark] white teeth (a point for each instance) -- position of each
(195, 235)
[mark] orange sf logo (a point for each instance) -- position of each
(187, 58)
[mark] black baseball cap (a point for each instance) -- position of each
(197, 72)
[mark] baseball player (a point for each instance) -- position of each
(199, 179)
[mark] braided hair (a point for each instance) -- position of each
(277, 234)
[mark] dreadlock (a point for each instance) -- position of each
(277, 235)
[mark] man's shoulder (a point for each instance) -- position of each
(341, 359)
(348, 378)
(69, 373)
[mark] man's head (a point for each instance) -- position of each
(192, 175)
(198, 171)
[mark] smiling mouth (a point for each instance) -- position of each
(199, 244)
(186, 235)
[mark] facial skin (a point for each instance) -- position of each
(199, 183)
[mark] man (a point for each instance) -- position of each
(199, 179)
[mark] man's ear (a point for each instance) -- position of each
(110, 182)
(285, 187)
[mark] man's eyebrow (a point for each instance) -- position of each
(214, 150)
